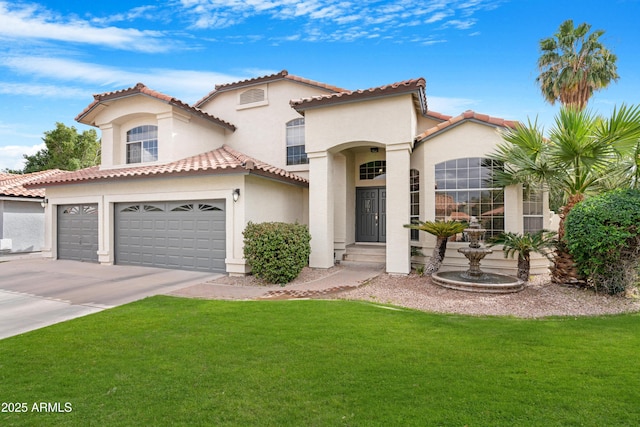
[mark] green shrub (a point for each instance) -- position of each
(277, 251)
(603, 236)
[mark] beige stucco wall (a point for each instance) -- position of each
(469, 139)
(180, 134)
(378, 122)
(338, 139)
(261, 129)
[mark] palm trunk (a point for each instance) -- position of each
(524, 267)
(437, 256)
(564, 270)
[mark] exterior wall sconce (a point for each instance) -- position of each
(236, 194)
(44, 203)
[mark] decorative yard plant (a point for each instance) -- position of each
(442, 230)
(277, 251)
(542, 242)
(603, 235)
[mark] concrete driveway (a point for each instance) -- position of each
(36, 292)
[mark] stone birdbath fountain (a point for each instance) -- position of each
(474, 279)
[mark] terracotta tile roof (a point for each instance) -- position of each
(221, 160)
(13, 185)
(466, 116)
(407, 86)
(144, 90)
(438, 116)
(282, 75)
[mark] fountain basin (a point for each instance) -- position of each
(485, 282)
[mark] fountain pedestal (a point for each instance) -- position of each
(474, 279)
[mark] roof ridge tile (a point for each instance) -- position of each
(467, 115)
(141, 88)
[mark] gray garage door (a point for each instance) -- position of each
(188, 235)
(78, 232)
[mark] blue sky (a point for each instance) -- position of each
(474, 54)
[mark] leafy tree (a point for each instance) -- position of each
(442, 230)
(574, 64)
(581, 155)
(542, 242)
(65, 149)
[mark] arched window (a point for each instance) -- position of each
(296, 154)
(142, 144)
(373, 169)
(414, 194)
(463, 190)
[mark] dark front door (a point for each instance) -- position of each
(371, 214)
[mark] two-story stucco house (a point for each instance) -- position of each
(178, 183)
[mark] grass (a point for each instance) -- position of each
(171, 361)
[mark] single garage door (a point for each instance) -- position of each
(188, 235)
(78, 232)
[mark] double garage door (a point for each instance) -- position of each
(187, 235)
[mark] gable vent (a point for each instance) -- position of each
(252, 95)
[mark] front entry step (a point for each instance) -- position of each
(365, 254)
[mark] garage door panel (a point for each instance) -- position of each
(77, 236)
(183, 235)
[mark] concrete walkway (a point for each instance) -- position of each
(342, 279)
(37, 292)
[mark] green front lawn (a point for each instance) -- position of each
(171, 361)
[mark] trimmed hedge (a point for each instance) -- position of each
(603, 235)
(276, 251)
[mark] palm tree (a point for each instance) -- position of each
(573, 65)
(442, 230)
(542, 242)
(576, 159)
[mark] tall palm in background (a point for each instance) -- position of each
(583, 154)
(574, 64)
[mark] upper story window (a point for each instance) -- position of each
(142, 144)
(296, 154)
(463, 190)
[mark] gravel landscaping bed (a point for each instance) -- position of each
(540, 298)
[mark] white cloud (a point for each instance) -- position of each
(47, 91)
(459, 24)
(329, 20)
(187, 85)
(438, 16)
(146, 12)
(12, 156)
(33, 22)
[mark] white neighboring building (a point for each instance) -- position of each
(22, 212)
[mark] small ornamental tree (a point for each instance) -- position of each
(276, 251)
(541, 241)
(603, 235)
(442, 230)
